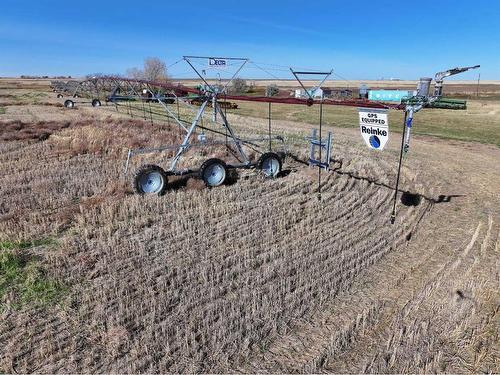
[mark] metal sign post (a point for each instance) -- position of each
(393, 213)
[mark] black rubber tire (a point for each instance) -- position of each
(209, 164)
(146, 169)
(96, 103)
(69, 104)
(59, 96)
(266, 156)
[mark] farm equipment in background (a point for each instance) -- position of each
(448, 103)
(64, 87)
(117, 89)
(58, 86)
(222, 103)
(441, 103)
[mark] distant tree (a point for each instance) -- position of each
(239, 86)
(272, 90)
(154, 70)
(135, 73)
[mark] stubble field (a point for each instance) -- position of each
(254, 276)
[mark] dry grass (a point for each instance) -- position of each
(256, 276)
(209, 298)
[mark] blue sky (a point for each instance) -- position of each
(358, 39)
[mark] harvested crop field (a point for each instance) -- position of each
(254, 276)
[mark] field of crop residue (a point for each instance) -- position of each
(254, 276)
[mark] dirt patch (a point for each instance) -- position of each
(133, 133)
(49, 104)
(19, 131)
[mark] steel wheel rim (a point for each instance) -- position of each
(271, 167)
(151, 182)
(214, 174)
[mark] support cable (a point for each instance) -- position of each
(264, 70)
(171, 65)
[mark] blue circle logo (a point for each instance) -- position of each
(374, 141)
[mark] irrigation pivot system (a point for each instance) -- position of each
(120, 92)
(215, 98)
(213, 171)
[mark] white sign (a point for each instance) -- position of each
(374, 127)
(214, 62)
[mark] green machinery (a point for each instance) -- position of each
(442, 103)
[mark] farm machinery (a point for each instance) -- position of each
(153, 179)
(214, 98)
(223, 104)
(213, 171)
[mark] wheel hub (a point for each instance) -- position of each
(215, 175)
(151, 182)
(271, 167)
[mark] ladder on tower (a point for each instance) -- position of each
(320, 151)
